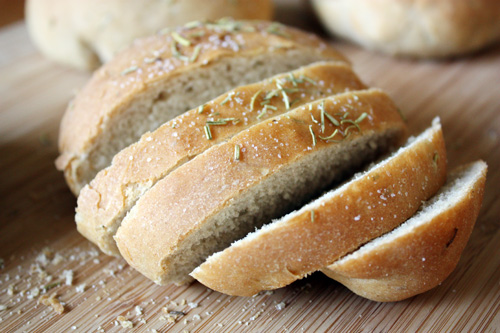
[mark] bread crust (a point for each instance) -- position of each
(418, 28)
(153, 61)
(164, 220)
(104, 202)
(85, 34)
(333, 225)
(419, 260)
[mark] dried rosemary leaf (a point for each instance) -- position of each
(254, 97)
(237, 152)
(312, 135)
(181, 40)
(208, 133)
(129, 70)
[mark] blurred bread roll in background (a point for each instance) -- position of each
(86, 33)
(415, 28)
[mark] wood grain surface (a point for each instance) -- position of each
(39, 241)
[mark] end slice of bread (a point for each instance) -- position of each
(300, 243)
(103, 203)
(219, 196)
(423, 251)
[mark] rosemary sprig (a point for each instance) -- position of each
(334, 121)
(237, 152)
(195, 54)
(208, 133)
(129, 70)
(312, 216)
(200, 108)
(275, 29)
(322, 116)
(179, 39)
(308, 79)
(312, 135)
(264, 111)
(227, 99)
(331, 136)
(254, 97)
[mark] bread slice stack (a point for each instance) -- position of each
(242, 190)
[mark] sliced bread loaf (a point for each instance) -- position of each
(162, 76)
(106, 200)
(300, 243)
(261, 173)
(423, 251)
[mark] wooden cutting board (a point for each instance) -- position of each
(39, 241)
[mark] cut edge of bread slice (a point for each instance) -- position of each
(162, 76)
(104, 202)
(204, 205)
(422, 252)
(372, 203)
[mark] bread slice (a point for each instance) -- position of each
(422, 252)
(302, 242)
(164, 75)
(105, 201)
(221, 195)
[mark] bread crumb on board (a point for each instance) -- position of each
(52, 301)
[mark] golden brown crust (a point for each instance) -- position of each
(421, 28)
(337, 223)
(104, 202)
(150, 62)
(180, 204)
(418, 260)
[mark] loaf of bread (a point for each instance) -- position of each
(86, 33)
(422, 252)
(182, 195)
(302, 242)
(417, 28)
(221, 195)
(164, 75)
(106, 200)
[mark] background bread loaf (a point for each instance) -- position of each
(417, 28)
(86, 33)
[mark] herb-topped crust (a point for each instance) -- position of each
(206, 203)
(123, 93)
(103, 204)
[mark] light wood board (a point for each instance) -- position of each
(36, 211)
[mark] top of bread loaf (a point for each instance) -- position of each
(164, 75)
(421, 28)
